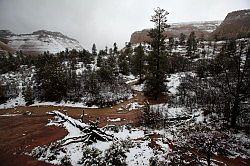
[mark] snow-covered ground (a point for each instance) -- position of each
(141, 145)
(138, 153)
(65, 104)
(174, 81)
(139, 87)
(14, 102)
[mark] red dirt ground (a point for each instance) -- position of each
(20, 134)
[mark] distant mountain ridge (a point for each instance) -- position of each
(39, 41)
(235, 25)
(200, 28)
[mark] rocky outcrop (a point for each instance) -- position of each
(39, 42)
(200, 29)
(235, 25)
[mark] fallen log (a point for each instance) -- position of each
(91, 132)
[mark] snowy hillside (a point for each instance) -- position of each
(41, 41)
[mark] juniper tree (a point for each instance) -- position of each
(156, 73)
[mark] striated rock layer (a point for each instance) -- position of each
(39, 42)
(175, 29)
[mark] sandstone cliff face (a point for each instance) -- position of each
(39, 41)
(235, 25)
(200, 28)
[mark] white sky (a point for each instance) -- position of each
(106, 21)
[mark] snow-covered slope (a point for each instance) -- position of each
(40, 41)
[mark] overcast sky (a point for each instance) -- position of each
(106, 21)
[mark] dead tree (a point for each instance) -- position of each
(91, 132)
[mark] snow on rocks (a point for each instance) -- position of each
(139, 87)
(114, 120)
(10, 114)
(133, 106)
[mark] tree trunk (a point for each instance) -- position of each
(235, 112)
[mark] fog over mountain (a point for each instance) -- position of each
(105, 22)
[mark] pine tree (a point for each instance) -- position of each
(99, 61)
(138, 61)
(51, 79)
(191, 44)
(182, 39)
(110, 51)
(29, 95)
(123, 63)
(170, 43)
(106, 50)
(156, 73)
(94, 50)
(115, 49)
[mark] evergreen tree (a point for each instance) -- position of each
(110, 51)
(86, 57)
(94, 50)
(170, 43)
(29, 95)
(106, 50)
(102, 52)
(91, 83)
(191, 44)
(138, 61)
(115, 49)
(182, 39)
(3, 97)
(51, 79)
(128, 51)
(123, 64)
(156, 73)
(99, 60)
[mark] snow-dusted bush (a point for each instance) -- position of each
(116, 154)
(91, 157)
(49, 152)
(65, 161)
(39, 152)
